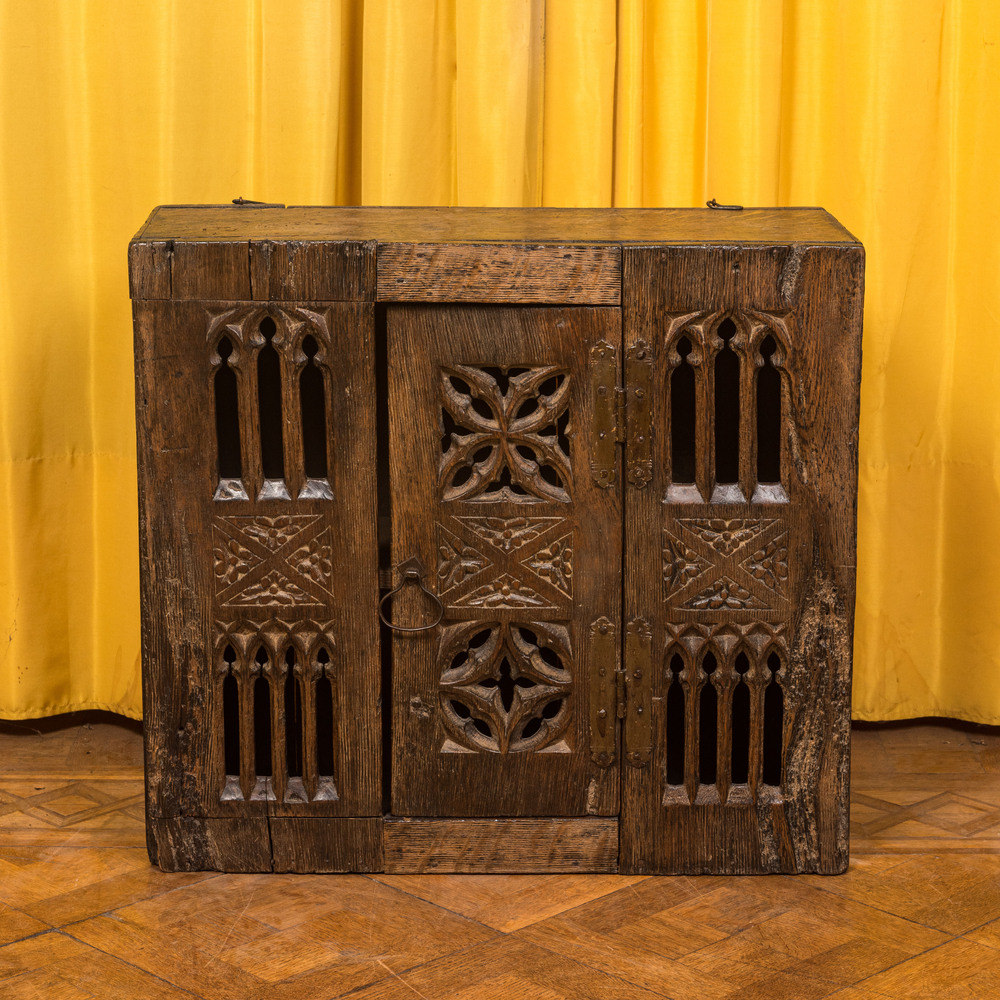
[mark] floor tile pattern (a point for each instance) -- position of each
(83, 914)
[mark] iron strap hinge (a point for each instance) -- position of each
(622, 415)
(638, 413)
(620, 692)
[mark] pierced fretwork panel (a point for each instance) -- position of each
(730, 366)
(504, 434)
(505, 687)
(271, 381)
(276, 691)
(725, 713)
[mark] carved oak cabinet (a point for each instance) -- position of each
(497, 540)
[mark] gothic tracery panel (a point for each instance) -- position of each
(505, 687)
(504, 434)
(276, 691)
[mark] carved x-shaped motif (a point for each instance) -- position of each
(505, 562)
(280, 561)
(715, 565)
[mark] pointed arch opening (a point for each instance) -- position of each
(768, 414)
(727, 407)
(774, 722)
(676, 720)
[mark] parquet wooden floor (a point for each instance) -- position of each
(82, 913)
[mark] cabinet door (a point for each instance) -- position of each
(740, 549)
(491, 419)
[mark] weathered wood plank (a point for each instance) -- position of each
(316, 271)
(187, 844)
(216, 270)
(501, 845)
(584, 275)
(316, 844)
(616, 226)
(149, 266)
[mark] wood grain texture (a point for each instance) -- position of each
(529, 565)
(774, 583)
(217, 270)
(415, 846)
(505, 968)
(188, 843)
(149, 266)
(312, 844)
(497, 225)
(314, 271)
(509, 902)
(576, 275)
(200, 597)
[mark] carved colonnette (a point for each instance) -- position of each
(614, 458)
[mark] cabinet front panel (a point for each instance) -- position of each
(739, 555)
(491, 422)
(257, 483)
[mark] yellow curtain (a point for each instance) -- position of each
(880, 110)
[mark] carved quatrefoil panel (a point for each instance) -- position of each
(272, 561)
(504, 434)
(718, 565)
(505, 563)
(505, 687)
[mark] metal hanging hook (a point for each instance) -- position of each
(411, 571)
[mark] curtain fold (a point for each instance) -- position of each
(882, 111)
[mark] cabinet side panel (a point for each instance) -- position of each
(740, 551)
(261, 664)
(174, 578)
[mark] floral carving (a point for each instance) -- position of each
(769, 564)
(526, 562)
(274, 532)
(457, 561)
(509, 533)
(505, 688)
(315, 559)
(725, 535)
(555, 564)
(232, 561)
(504, 434)
(285, 560)
(273, 589)
(681, 564)
(505, 591)
(724, 594)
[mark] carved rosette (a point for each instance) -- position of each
(505, 687)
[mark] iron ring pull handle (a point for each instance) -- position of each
(412, 571)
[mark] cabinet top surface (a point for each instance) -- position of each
(207, 223)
